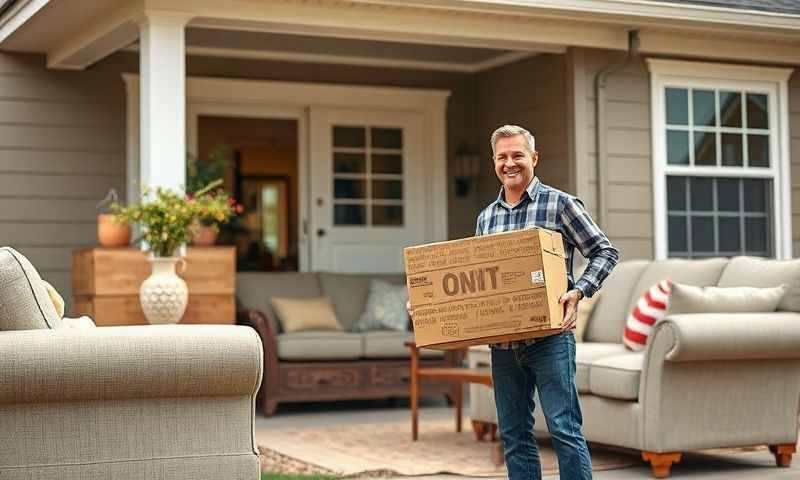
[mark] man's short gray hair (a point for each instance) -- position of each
(510, 131)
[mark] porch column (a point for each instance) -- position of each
(162, 107)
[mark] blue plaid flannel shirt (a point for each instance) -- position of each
(546, 207)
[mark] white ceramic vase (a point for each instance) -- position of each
(164, 294)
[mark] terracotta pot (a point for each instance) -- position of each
(205, 236)
(111, 233)
(163, 295)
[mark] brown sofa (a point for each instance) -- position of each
(326, 365)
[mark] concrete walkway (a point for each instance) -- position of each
(755, 465)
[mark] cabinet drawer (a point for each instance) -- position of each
(388, 375)
(320, 378)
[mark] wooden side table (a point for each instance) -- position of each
(458, 375)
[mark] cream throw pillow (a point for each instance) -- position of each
(585, 307)
(55, 297)
(691, 299)
(303, 314)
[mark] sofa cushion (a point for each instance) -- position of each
(305, 314)
(617, 376)
(319, 345)
(700, 273)
(24, 302)
(608, 316)
(689, 299)
(391, 344)
(255, 289)
(385, 308)
(349, 291)
(760, 272)
(586, 354)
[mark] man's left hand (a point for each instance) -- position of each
(570, 302)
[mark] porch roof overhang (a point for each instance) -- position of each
(77, 38)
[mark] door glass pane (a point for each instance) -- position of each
(387, 215)
(676, 193)
(387, 163)
(351, 137)
(729, 235)
(676, 227)
(349, 163)
(758, 150)
(677, 101)
(728, 195)
(702, 234)
(755, 195)
(702, 195)
(387, 138)
(730, 109)
(704, 108)
(732, 150)
(677, 147)
(387, 189)
(349, 214)
(755, 236)
(705, 148)
(757, 111)
(346, 188)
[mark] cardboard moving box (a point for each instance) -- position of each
(488, 289)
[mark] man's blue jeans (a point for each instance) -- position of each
(547, 365)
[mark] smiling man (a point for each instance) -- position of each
(546, 365)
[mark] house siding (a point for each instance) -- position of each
(629, 190)
(62, 144)
(531, 93)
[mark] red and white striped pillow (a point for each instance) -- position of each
(651, 308)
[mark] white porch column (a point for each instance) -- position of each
(162, 117)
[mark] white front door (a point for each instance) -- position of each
(367, 189)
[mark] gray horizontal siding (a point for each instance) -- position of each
(62, 146)
(794, 151)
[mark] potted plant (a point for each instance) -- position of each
(199, 174)
(111, 231)
(168, 220)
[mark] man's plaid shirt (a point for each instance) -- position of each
(546, 207)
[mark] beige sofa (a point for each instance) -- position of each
(704, 380)
(161, 402)
(329, 365)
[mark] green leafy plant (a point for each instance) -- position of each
(217, 206)
(199, 173)
(168, 219)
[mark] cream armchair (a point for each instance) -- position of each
(161, 402)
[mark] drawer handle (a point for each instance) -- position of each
(482, 365)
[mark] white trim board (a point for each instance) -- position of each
(774, 82)
(268, 99)
(331, 59)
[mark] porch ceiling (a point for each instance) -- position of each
(470, 32)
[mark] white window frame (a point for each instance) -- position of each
(683, 74)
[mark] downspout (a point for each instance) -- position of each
(600, 83)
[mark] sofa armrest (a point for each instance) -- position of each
(730, 336)
(110, 363)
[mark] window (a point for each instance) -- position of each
(720, 160)
(367, 176)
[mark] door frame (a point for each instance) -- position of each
(294, 100)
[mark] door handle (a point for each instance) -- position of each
(320, 232)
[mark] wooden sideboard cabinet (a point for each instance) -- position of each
(106, 281)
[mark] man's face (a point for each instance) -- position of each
(513, 163)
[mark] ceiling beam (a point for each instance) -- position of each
(111, 31)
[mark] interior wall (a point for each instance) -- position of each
(531, 93)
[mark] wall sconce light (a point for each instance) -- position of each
(467, 169)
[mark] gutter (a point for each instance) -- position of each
(600, 84)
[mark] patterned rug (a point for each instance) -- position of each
(386, 449)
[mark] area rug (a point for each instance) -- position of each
(386, 449)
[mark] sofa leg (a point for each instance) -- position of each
(661, 463)
(480, 429)
(783, 454)
(270, 407)
(492, 432)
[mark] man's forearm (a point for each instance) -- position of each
(600, 265)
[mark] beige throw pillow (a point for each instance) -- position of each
(585, 307)
(691, 299)
(55, 297)
(303, 314)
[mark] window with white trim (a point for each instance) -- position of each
(719, 161)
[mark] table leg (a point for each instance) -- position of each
(414, 393)
(458, 394)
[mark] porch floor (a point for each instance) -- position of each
(755, 465)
